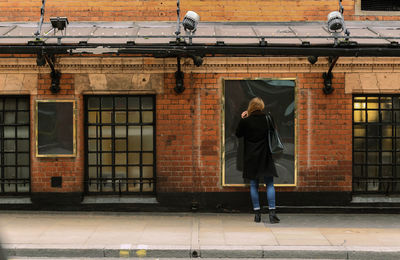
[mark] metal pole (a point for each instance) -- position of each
(178, 27)
(41, 18)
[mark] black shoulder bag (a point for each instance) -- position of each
(274, 140)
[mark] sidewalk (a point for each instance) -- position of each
(185, 235)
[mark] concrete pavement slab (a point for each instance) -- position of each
(181, 235)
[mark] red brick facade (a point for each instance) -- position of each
(162, 10)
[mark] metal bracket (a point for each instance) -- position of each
(327, 76)
(179, 88)
(55, 74)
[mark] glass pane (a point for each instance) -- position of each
(106, 103)
(387, 171)
(148, 186)
(120, 172)
(11, 104)
(120, 158)
(9, 132)
(92, 145)
(23, 132)
(23, 104)
(359, 144)
(386, 116)
(373, 185)
(147, 103)
(133, 103)
(359, 157)
(387, 130)
(372, 102)
(9, 159)
(373, 171)
(9, 172)
(373, 116)
(134, 138)
(387, 144)
(396, 102)
(92, 157)
(106, 159)
(23, 118)
(147, 172)
(374, 130)
(94, 117)
(133, 172)
(23, 172)
(396, 116)
(120, 145)
(107, 184)
(106, 145)
(147, 138)
(1, 104)
(386, 103)
(23, 159)
(120, 131)
(10, 187)
(133, 158)
(94, 131)
(373, 157)
(94, 103)
(9, 145)
(106, 117)
(9, 118)
(93, 172)
(386, 157)
(133, 117)
(23, 145)
(120, 103)
(147, 158)
(147, 116)
(359, 130)
(23, 187)
(373, 144)
(120, 117)
(357, 171)
(106, 131)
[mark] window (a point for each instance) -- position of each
(120, 144)
(14, 145)
(380, 5)
(376, 144)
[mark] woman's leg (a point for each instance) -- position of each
(254, 194)
(273, 218)
(269, 182)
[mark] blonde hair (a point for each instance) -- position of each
(255, 104)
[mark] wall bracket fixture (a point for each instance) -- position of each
(179, 88)
(55, 75)
(327, 76)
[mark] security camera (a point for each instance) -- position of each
(335, 22)
(190, 21)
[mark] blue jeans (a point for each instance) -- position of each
(269, 181)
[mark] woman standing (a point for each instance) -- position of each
(258, 162)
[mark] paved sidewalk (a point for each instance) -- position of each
(185, 235)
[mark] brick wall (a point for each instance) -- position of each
(163, 10)
(71, 169)
(189, 134)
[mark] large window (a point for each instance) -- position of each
(120, 144)
(380, 5)
(14, 145)
(376, 144)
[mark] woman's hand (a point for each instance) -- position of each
(245, 114)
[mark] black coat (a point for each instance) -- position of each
(258, 160)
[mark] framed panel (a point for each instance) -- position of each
(279, 98)
(55, 128)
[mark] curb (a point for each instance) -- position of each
(308, 252)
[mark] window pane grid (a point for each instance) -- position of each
(119, 143)
(14, 145)
(376, 144)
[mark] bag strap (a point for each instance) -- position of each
(270, 121)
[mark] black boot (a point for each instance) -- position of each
(257, 216)
(273, 218)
